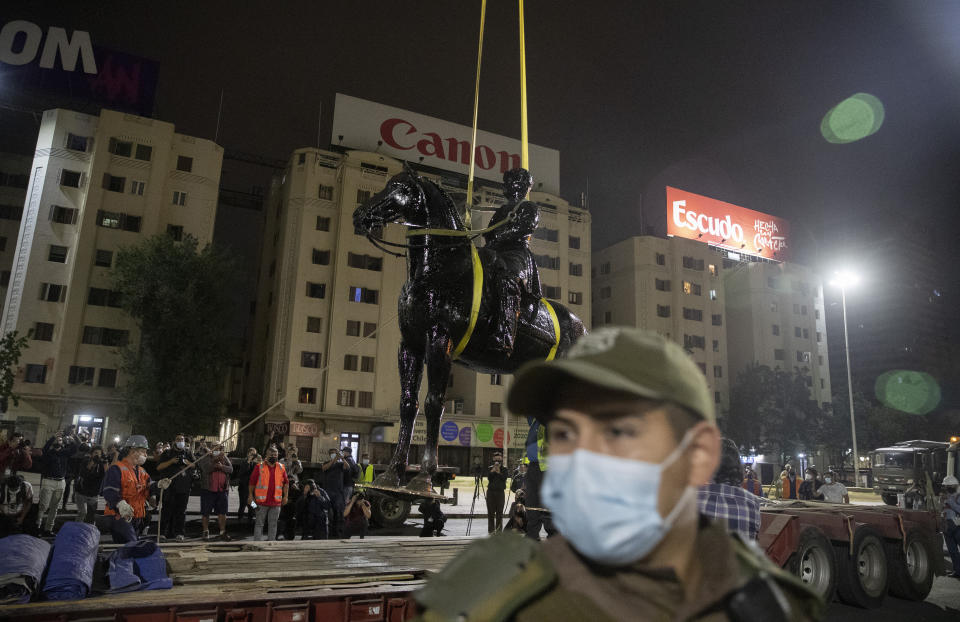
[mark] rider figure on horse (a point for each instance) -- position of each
(515, 261)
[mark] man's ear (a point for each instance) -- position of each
(704, 453)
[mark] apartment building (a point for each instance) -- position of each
(324, 350)
(96, 184)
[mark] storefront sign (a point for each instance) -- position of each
(278, 427)
(729, 226)
(299, 428)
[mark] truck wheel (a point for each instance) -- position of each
(889, 499)
(814, 563)
(862, 576)
(388, 511)
(911, 572)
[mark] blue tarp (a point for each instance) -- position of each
(71, 566)
(24, 558)
(138, 566)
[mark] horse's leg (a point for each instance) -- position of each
(438, 376)
(410, 365)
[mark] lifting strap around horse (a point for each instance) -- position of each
(474, 303)
(556, 328)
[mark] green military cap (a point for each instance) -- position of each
(631, 360)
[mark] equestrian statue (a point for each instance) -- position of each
(479, 307)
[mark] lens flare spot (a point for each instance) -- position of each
(853, 119)
(913, 392)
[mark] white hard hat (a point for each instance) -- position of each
(137, 441)
(950, 480)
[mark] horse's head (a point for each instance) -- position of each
(401, 201)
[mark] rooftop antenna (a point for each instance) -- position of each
(216, 134)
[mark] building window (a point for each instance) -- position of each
(70, 178)
(121, 147)
(353, 328)
(175, 232)
(51, 292)
(363, 196)
(179, 198)
(310, 359)
(547, 261)
(326, 192)
(495, 410)
(323, 223)
(717, 319)
(302, 158)
(816, 313)
(576, 269)
(605, 292)
(551, 292)
(321, 258)
(63, 215)
(574, 242)
(716, 397)
(779, 355)
(308, 395)
(76, 143)
(3, 243)
(608, 317)
(104, 298)
(144, 152)
(35, 373)
(691, 288)
(185, 164)
(365, 262)
(42, 331)
(314, 324)
(350, 362)
(773, 283)
(803, 310)
(775, 329)
(364, 294)
(103, 258)
(717, 371)
(367, 363)
(694, 341)
(713, 294)
(365, 399)
(820, 359)
(716, 345)
(796, 331)
(692, 264)
(806, 333)
(116, 220)
(369, 328)
(545, 233)
(57, 254)
(774, 308)
(345, 397)
(819, 336)
(316, 290)
(803, 357)
(605, 267)
(713, 270)
(692, 314)
(575, 298)
(99, 336)
(81, 375)
(661, 259)
(703, 368)
(796, 308)
(664, 310)
(496, 379)
(4, 278)
(114, 184)
(136, 187)
(661, 285)
(108, 378)
(11, 212)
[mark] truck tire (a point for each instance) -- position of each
(862, 575)
(911, 572)
(889, 499)
(388, 511)
(815, 563)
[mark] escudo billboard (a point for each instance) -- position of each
(729, 226)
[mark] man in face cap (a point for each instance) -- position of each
(624, 404)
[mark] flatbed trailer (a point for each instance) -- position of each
(367, 580)
(858, 553)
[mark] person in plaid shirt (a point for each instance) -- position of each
(724, 500)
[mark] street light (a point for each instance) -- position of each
(843, 280)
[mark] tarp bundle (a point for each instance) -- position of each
(24, 558)
(71, 567)
(138, 566)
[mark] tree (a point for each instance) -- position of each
(178, 296)
(11, 347)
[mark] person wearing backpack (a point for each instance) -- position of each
(215, 483)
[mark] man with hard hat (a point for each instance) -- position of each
(126, 489)
(951, 521)
(630, 403)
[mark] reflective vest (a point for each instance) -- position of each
(366, 473)
(134, 489)
(262, 489)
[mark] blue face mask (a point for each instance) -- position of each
(612, 525)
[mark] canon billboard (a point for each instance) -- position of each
(415, 137)
(729, 226)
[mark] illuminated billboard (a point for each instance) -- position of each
(729, 226)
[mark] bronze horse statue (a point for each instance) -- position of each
(442, 318)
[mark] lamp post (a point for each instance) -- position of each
(844, 279)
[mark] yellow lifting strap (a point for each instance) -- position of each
(556, 328)
(524, 145)
(474, 304)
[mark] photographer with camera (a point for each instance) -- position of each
(496, 485)
(15, 455)
(57, 453)
(173, 515)
(333, 472)
(16, 503)
(89, 479)
(357, 516)
(313, 512)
